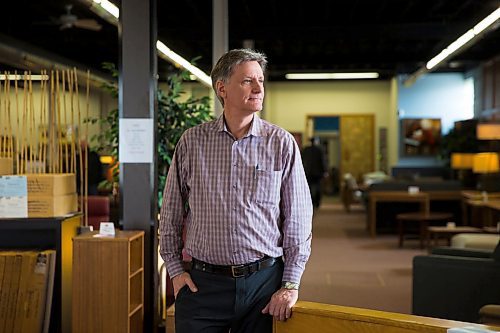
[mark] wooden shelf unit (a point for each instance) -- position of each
(42, 234)
(108, 282)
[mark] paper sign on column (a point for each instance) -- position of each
(13, 196)
(136, 140)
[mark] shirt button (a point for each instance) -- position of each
(234, 186)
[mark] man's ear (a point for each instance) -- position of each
(220, 88)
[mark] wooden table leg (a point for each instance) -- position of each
(401, 232)
(423, 232)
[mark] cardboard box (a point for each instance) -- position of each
(51, 206)
(6, 166)
(26, 281)
(51, 184)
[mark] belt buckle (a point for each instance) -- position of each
(236, 275)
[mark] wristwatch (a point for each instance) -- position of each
(290, 285)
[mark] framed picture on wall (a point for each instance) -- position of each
(420, 136)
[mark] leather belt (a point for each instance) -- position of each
(235, 271)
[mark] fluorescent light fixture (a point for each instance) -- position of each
(164, 52)
(37, 77)
(464, 39)
(109, 7)
(331, 76)
(487, 21)
(179, 61)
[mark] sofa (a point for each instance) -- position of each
(455, 283)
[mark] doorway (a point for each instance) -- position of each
(349, 146)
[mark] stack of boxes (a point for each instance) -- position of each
(51, 194)
(26, 286)
(6, 166)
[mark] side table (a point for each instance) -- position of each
(423, 218)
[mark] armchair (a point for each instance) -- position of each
(98, 210)
(455, 283)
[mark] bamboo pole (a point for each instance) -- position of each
(24, 158)
(73, 150)
(40, 122)
(86, 149)
(32, 125)
(59, 127)
(79, 143)
(44, 117)
(9, 121)
(18, 152)
(2, 121)
(66, 154)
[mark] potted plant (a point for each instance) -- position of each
(174, 117)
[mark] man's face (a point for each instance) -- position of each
(244, 92)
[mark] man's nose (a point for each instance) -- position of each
(257, 86)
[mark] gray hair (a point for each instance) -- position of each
(225, 66)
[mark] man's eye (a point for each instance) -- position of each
(247, 81)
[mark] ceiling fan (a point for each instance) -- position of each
(69, 20)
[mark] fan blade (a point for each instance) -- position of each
(89, 24)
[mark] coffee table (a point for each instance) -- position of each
(423, 218)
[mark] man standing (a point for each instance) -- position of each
(315, 168)
(240, 184)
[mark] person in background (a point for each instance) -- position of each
(240, 182)
(315, 169)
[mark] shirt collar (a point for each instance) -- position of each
(256, 127)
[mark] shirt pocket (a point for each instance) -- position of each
(267, 186)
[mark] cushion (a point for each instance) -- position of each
(475, 241)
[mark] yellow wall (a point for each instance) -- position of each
(287, 104)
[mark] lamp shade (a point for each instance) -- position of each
(488, 131)
(462, 160)
(485, 163)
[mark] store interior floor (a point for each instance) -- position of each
(348, 267)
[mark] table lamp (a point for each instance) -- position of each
(463, 163)
(488, 131)
(486, 164)
(460, 161)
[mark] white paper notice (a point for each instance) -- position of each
(136, 140)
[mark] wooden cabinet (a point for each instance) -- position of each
(108, 282)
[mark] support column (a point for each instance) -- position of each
(220, 39)
(137, 101)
